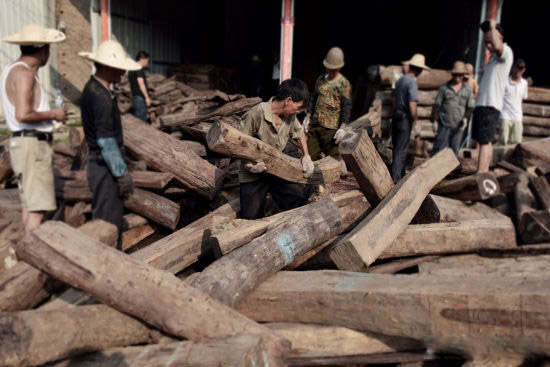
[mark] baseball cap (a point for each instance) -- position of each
(519, 63)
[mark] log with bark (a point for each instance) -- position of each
(133, 287)
(227, 140)
(155, 207)
(541, 189)
(538, 95)
(448, 313)
(531, 130)
(536, 121)
(237, 351)
(531, 153)
(151, 179)
(534, 109)
(428, 79)
(376, 232)
(476, 187)
(452, 210)
(5, 166)
(35, 337)
(166, 154)
(234, 276)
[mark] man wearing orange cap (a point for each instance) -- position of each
(29, 118)
(108, 176)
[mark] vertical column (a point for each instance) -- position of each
(105, 31)
(287, 35)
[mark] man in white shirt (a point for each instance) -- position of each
(511, 124)
(491, 91)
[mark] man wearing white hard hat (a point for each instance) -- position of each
(108, 176)
(29, 118)
(404, 116)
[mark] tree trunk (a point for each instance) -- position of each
(231, 278)
(376, 232)
(441, 238)
(155, 207)
(363, 160)
(33, 338)
(227, 140)
(448, 313)
(476, 187)
(166, 154)
(129, 285)
(237, 351)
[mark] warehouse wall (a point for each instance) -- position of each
(17, 13)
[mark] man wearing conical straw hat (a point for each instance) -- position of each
(29, 118)
(108, 176)
(452, 110)
(404, 116)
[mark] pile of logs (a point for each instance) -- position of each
(443, 266)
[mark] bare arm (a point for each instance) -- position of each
(143, 89)
(302, 142)
(24, 84)
(412, 108)
(496, 38)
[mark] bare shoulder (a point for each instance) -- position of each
(20, 74)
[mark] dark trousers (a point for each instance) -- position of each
(139, 108)
(401, 136)
(321, 140)
(106, 202)
(287, 195)
(447, 137)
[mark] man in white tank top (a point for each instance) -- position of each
(29, 118)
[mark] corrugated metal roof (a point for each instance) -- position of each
(16, 14)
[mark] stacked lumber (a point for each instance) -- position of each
(536, 113)
(374, 272)
(205, 76)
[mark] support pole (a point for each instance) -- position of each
(105, 31)
(287, 35)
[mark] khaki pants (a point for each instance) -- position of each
(511, 132)
(31, 161)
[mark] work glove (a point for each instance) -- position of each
(463, 124)
(305, 124)
(125, 185)
(417, 129)
(435, 127)
(307, 166)
(255, 167)
(340, 134)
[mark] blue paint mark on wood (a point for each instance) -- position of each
(287, 246)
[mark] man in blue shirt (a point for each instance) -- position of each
(404, 114)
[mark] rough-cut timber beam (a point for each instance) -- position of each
(378, 230)
(476, 187)
(167, 154)
(448, 313)
(129, 285)
(235, 275)
(227, 140)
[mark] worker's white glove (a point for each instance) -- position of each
(340, 134)
(255, 168)
(463, 124)
(307, 166)
(435, 127)
(305, 124)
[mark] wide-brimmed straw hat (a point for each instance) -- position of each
(111, 53)
(419, 61)
(35, 35)
(334, 58)
(469, 70)
(459, 68)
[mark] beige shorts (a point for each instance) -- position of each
(31, 161)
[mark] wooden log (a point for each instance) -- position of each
(395, 266)
(448, 313)
(530, 130)
(33, 338)
(428, 79)
(10, 234)
(227, 140)
(231, 278)
(198, 131)
(476, 187)
(533, 109)
(536, 121)
(23, 286)
(363, 160)
(425, 97)
(510, 167)
(376, 232)
(508, 182)
(74, 214)
(230, 108)
(531, 153)
(238, 351)
(155, 207)
(165, 87)
(164, 153)
(151, 179)
(371, 120)
(441, 238)
(452, 210)
(475, 265)
(122, 281)
(5, 166)
(133, 236)
(541, 189)
(534, 226)
(538, 95)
